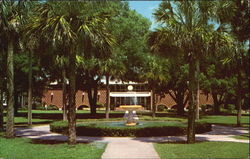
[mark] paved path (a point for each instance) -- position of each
(138, 147)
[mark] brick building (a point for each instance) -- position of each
(121, 93)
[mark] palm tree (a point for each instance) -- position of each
(9, 25)
(2, 79)
(154, 72)
(112, 67)
(29, 43)
(62, 62)
(71, 24)
(236, 15)
(185, 30)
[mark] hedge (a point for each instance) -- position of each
(151, 129)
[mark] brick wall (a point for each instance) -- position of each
(81, 98)
(169, 102)
(54, 97)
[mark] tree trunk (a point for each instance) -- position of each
(10, 92)
(64, 89)
(16, 103)
(1, 108)
(72, 93)
(92, 95)
(192, 101)
(198, 90)
(239, 98)
(30, 91)
(153, 104)
(216, 103)
(1, 95)
(180, 102)
(107, 97)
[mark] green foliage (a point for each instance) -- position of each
(119, 129)
(161, 108)
(230, 108)
(52, 107)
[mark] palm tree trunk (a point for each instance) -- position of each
(1, 108)
(153, 104)
(10, 91)
(92, 95)
(16, 104)
(64, 89)
(1, 97)
(180, 101)
(239, 98)
(107, 97)
(72, 93)
(30, 91)
(198, 90)
(216, 103)
(192, 101)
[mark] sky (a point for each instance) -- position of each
(145, 8)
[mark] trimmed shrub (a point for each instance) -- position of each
(230, 108)
(145, 130)
(203, 108)
(52, 107)
(161, 108)
(39, 107)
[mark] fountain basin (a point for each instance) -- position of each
(118, 128)
(130, 107)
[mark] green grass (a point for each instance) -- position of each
(24, 120)
(60, 111)
(141, 118)
(242, 137)
(203, 150)
(50, 111)
(225, 120)
(22, 148)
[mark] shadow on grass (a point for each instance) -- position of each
(179, 142)
(54, 142)
(170, 139)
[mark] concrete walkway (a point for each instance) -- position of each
(134, 147)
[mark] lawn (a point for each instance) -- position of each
(60, 111)
(203, 150)
(242, 137)
(225, 120)
(24, 121)
(22, 148)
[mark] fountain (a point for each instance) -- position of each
(131, 118)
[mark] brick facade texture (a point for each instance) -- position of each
(54, 97)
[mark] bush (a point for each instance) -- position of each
(52, 107)
(174, 107)
(99, 105)
(230, 108)
(144, 130)
(82, 107)
(161, 108)
(39, 107)
(203, 108)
